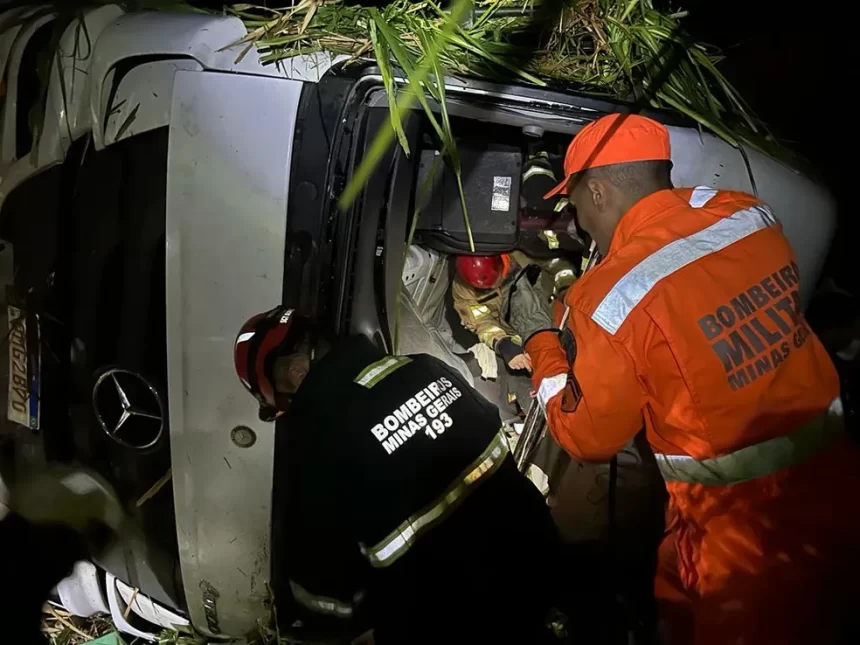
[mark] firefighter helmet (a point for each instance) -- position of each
(264, 337)
(483, 271)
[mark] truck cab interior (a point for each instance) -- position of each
(410, 221)
(505, 173)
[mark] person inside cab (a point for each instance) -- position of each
(481, 284)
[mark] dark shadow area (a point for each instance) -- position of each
(793, 71)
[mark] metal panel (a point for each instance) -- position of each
(13, 70)
(67, 106)
(806, 209)
(80, 592)
(228, 165)
(142, 98)
(67, 110)
(204, 38)
(11, 24)
(147, 609)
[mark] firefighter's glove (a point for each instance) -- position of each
(486, 360)
(529, 309)
(72, 497)
(513, 355)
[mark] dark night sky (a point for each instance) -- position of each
(796, 70)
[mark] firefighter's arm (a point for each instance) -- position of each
(594, 404)
(325, 568)
(477, 317)
(557, 275)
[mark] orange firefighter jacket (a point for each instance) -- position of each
(691, 326)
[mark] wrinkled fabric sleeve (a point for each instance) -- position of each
(508, 349)
(557, 276)
(325, 568)
(594, 406)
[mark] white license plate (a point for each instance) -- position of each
(24, 374)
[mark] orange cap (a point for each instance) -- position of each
(615, 138)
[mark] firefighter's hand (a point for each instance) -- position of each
(520, 362)
(529, 307)
(68, 496)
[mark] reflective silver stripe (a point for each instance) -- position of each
(564, 317)
(375, 372)
(549, 387)
(398, 542)
(701, 196)
(248, 335)
(320, 604)
(760, 459)
(629, 291)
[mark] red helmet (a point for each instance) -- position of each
(261, 340)
(483, 271)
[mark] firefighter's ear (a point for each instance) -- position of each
(596, 192)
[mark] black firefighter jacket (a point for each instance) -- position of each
(396, 496)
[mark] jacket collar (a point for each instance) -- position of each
(642, 213)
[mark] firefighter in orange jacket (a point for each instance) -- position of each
(691, 326)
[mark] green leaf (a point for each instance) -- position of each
(377, 150)
(108, 639)
(451, 149)
(468, 43)
(418, 75)
(381, 50)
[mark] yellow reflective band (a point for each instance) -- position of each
(561, 204)
(320, 604)
(538, 170)
(487, 335)
(760, 459)
(375, 372)
(398, 542)
(561, 275)
(551, 239)
(480, 310)
(563, 279)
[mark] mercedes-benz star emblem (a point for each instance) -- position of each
(128, 408)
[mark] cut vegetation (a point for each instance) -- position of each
(623, 49)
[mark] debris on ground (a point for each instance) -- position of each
(62, 628)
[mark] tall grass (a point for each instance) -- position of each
(619, 49)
